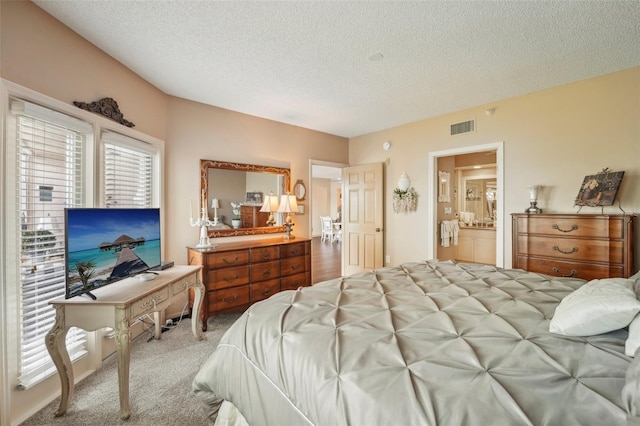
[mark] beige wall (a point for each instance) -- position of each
(196, 131)
(553, 138)
(39, 52)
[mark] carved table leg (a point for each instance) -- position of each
(123, 337)
(157, 325)
(55, 342)
(196, 320)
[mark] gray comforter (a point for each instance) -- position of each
(428, 343)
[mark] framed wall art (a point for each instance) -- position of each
(599, 189)
(254, 197)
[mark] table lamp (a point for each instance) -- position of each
(270, 205)
(288, 205)
(215, 205)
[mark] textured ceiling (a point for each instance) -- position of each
(308, 63)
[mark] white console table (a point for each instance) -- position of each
(118, 306)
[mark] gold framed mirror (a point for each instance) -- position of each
(239, 191)
(299, 190)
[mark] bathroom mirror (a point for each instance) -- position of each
(245, 186)
(478, 198)
(443, 187)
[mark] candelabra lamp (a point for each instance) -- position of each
(288, 205)
(203, 222)
(533, 200)
(270, 205)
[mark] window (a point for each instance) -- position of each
(55, 155)
(129, 171)
(50, 167)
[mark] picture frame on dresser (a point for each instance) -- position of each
(599, 189)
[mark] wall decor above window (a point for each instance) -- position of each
(107, 107)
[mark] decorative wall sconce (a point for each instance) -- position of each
(405, 198)
(533, 200)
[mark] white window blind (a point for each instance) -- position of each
(50, 170)
(129, 170)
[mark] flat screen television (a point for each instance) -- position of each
(103, 246)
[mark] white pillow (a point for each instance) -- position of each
(599, 306)
(633, 340)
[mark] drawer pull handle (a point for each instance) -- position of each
(266, 292)
(557, 271)
(230, 262)
(556, 227)
(230, 299)
(294, 267)
(231, 279)
(265, 256)
(573, 250)
(294, 251)
(266, 273)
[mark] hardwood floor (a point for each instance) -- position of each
(325, 260)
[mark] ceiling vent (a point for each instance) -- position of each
(463, 127)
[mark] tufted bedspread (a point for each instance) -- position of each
(425, 343)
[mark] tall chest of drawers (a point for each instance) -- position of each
(587, 246)
(239, 274)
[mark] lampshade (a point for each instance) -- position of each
(288, 204)
(404, 183)
(533, 192)
(270, 203)
(215, 204)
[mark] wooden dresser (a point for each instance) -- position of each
(252, 217)
(238, 274)
(586, 246)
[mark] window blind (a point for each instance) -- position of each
(50, 169)
(129, 170)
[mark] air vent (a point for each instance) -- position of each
(463, 127)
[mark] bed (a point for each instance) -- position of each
(424, 343)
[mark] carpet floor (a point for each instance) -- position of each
(161, 372)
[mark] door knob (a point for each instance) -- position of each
(377, 229)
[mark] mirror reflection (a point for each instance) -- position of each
(235, 193)
(478, 197)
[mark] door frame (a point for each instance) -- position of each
(432, 195)
(313, 162)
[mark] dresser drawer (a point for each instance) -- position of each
(572, 248)
(294, 249)
(292, 265)
(558, 268)
(149, 302)
(228, 298)
(600, 227)
(264, 254)
(228, 258)
(293, 282)
(228, 277)
(183, 284)
(265, 271)
(263, 290)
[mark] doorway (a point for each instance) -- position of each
(497, 206)
(325, 199)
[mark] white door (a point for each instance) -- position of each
(362, 219)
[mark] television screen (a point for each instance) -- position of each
(107, 245)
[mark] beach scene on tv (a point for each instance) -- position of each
(108, 245)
